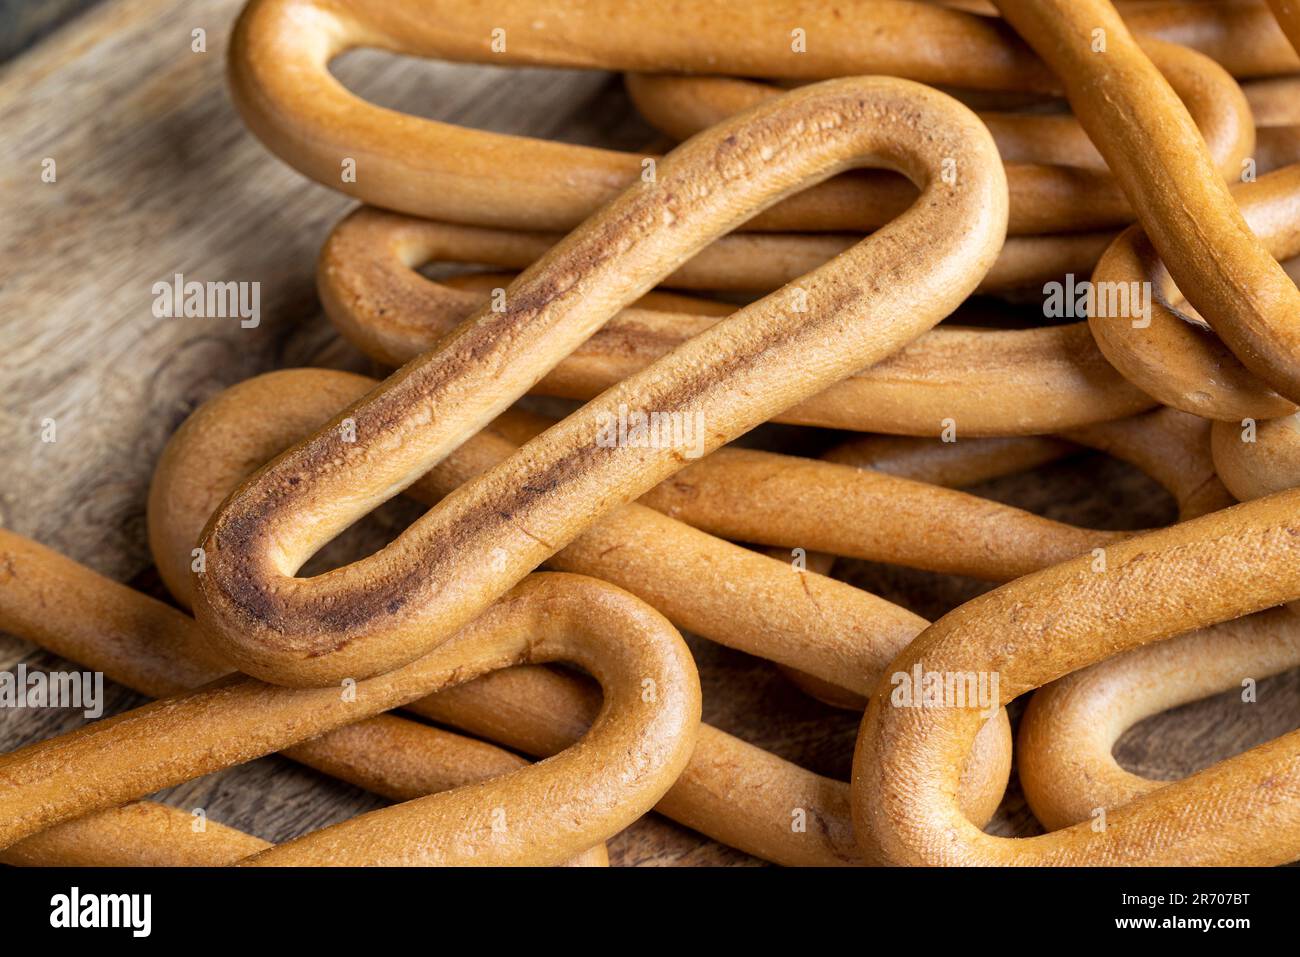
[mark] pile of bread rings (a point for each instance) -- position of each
(853, 172)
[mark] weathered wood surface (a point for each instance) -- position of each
(155, 175)
(22, 22)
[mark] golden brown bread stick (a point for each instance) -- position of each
(820, 624)
(548, 812)
(991, 381)
(1160, 160)
(1046, 625)
(372, 615)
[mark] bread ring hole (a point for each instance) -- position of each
(1292, 267)
(1166, 292)
(366, 536)
(582, 107)
(1190, 738)
(485, 278)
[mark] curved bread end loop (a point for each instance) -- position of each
(1064, 749)
(540, 814)
(1150, 142)
(550, 812)
(1243, 810)
(375, 615)
(842, 632)
(1167, 350)
(280, 81)
(1255, 459)
(147, 646)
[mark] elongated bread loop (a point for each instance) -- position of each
(1172, 354)
(989, 381)
(280, 81)
(1150, 142)
(1245, 810)
(731, 790)
(539, 814)
(842, 634)
(374, 615)
(1064, 747)
(145, 645)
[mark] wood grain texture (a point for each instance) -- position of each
(24, 21)
(155, 175)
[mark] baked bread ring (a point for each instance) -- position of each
(1057, 180)
(1244, 811)
(374, 615)
(1064, 747)
(145, 645)
(843, 634)
(540, 814)
(281, 84)
(990, 381)
(1144, 132)
(1175, 357)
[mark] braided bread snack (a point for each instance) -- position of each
(374, 615)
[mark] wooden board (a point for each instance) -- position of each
(155, 175)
